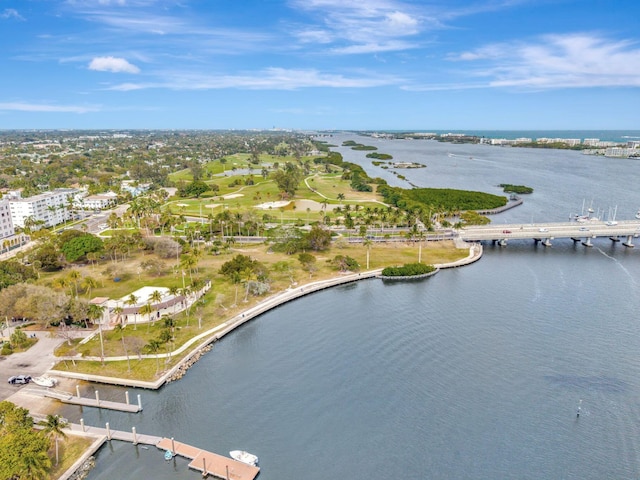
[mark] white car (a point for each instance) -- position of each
(611, 223)
(543, 230)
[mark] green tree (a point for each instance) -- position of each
(53, 430)
(23, 451)
(318, 238)
(77, 248)
(154, 347)
(288, 179)
(146, 309)
(308, 262)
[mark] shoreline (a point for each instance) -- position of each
(205, 339)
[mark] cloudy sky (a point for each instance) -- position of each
(320, 64)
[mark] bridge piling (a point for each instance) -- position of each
(629, 242)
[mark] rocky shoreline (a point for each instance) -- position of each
(182, 369)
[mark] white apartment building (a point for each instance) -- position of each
(51, 208)
(6, 225)
(99, 201)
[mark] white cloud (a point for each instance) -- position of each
(112, 64)
(40, 107)
(11, 13)
(268, 79)
(362, 27)
(558, 61)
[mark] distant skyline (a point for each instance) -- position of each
(320, 64)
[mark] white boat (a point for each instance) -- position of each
(45, 381)
(244, 457)
(638, 214)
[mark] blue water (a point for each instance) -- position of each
(621, 136)
(475, 373)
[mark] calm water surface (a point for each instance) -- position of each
(475, 373)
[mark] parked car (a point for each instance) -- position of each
(506, 231)
(19, 379)
(543, 230)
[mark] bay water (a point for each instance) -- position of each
(475, 373)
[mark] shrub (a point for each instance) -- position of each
(408, 270)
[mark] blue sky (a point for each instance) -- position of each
(320, 64)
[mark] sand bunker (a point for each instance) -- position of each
(268, 205)
(312, 205)
(233, 195)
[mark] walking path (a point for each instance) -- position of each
(216, 333)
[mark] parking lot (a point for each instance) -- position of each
(34, 362)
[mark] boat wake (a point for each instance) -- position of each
(537, 293)
(622, 267)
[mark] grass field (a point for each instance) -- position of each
(223, 301)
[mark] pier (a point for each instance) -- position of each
(208, 463)
(66, 397)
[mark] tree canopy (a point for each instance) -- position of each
(78, 247)
(13, 272)
(23, 451)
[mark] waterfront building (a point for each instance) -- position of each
(51, 208)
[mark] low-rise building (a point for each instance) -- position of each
(99, 201)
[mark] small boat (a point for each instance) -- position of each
(168, 455)
(638, 214)
(45, 381)
(244, 457)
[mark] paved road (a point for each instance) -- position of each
(35, 362)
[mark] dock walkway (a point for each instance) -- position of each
(210, 463)
(66, 397)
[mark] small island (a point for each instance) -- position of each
(519, 189)
(408, 271)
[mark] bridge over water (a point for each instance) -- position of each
(545, 232)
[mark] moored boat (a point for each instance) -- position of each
(244, 457)
(45, 381)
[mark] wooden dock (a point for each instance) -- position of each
(210, 463)
(66, 397)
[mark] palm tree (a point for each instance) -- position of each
(173, 291)
(153, 347)
(119, 328)
(367, 243)
(53, 426)
(89, 283)
(118, 313)
(74, 275)
(146, 309)
(95, 312)
(133, 300)
(155, 297)
(248, 275)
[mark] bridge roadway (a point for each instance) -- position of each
(545, 232)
